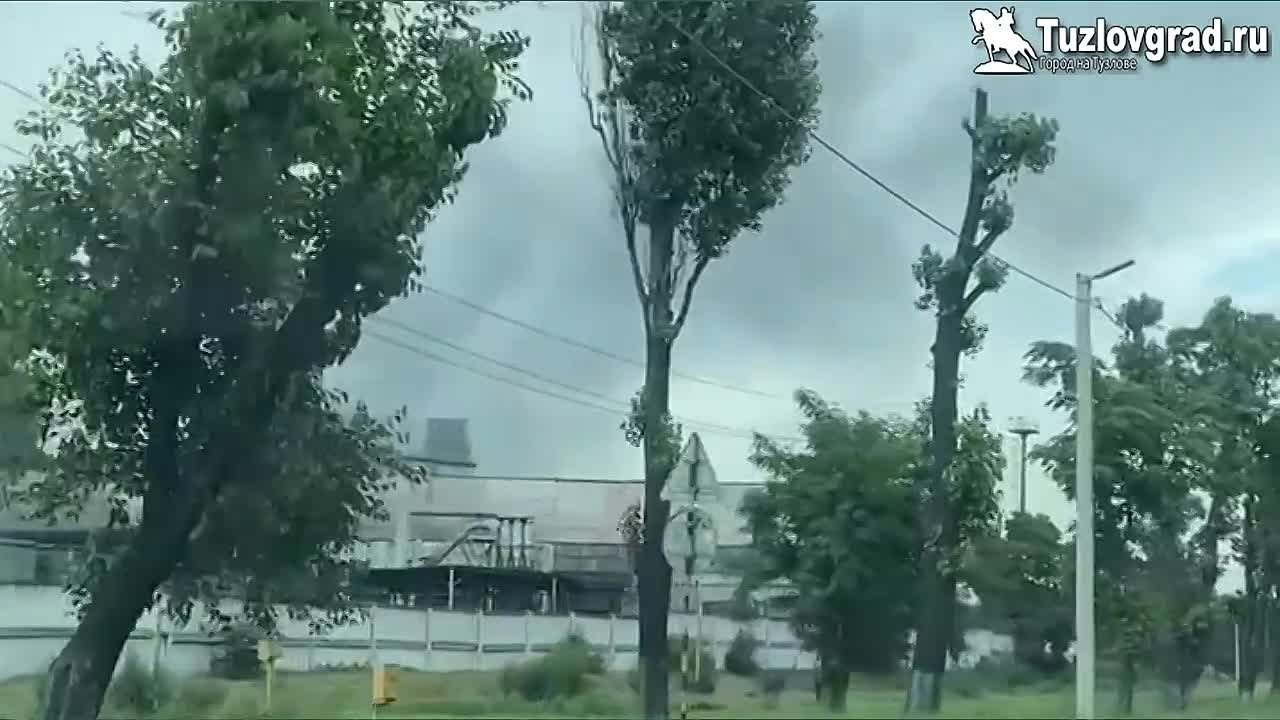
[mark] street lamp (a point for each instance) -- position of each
(1085, 540)
(1023, 428)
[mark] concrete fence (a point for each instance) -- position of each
(35, 623)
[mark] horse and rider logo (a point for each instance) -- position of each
(997, 33)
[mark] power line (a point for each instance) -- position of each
(527, 373)
(615, 407)
(840, 155)
(592, 348)
(506, 318)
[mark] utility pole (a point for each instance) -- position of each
(1086, 651)
(1023, 428)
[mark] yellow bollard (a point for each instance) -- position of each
(269, 652)
(384, 687)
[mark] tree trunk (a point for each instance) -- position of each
(936, 621)
(655, 571)
(938, 583)
(835, 686)
(1273, 644)
(79, 676)
(1250, 625)
(1128, 680)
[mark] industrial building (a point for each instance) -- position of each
(466, 540)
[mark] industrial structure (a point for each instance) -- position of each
(467, 541)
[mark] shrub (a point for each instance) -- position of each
(740, 659)
(562, 673)
(236, 656)
(135, 688)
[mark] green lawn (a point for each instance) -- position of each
(476, 695)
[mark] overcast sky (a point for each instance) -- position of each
(1164, 166)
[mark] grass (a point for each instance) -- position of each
(343, 694)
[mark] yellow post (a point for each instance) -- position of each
(271, 678)
(384, 691)
(269, 652)
(684, 676)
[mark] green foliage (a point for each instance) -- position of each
(667, 441)
(564, 672)
(699, 678)
(1178, 460)
(740, 658)
(697, 134)
(976, 471)
(137, 689)
(1021, 580)
(1003, 147)
(236, 655)
(209, 233)
(838, 520)
(200, 695)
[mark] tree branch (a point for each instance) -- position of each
(987, 241)
(972, 298)
(687, 300)
(610, 126)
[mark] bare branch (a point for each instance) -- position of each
(987, 241)
(689, 286)
(608, 121)
(972, 298)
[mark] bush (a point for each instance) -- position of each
(562, 673)
(740, 659)
(236, 656)
(135, 688)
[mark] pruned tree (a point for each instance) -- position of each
(207, 235)
(837, 519)
(1002, 149)
(697, 154)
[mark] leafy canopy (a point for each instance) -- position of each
(838, 520)
(205, 236)
(700, 135)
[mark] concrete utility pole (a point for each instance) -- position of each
(1086, 651)
(1023, 428)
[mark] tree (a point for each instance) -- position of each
(698, 154)
(1232, 356)
(1002, 148)
(1152, 453)
(207, 236)
(1021, 581)
(837, 519)
(18, 437)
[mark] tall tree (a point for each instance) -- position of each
(837, 520)
(1233, 358)
(208, 234)
(1151, 455)
(698, 154)
(1002, 148)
